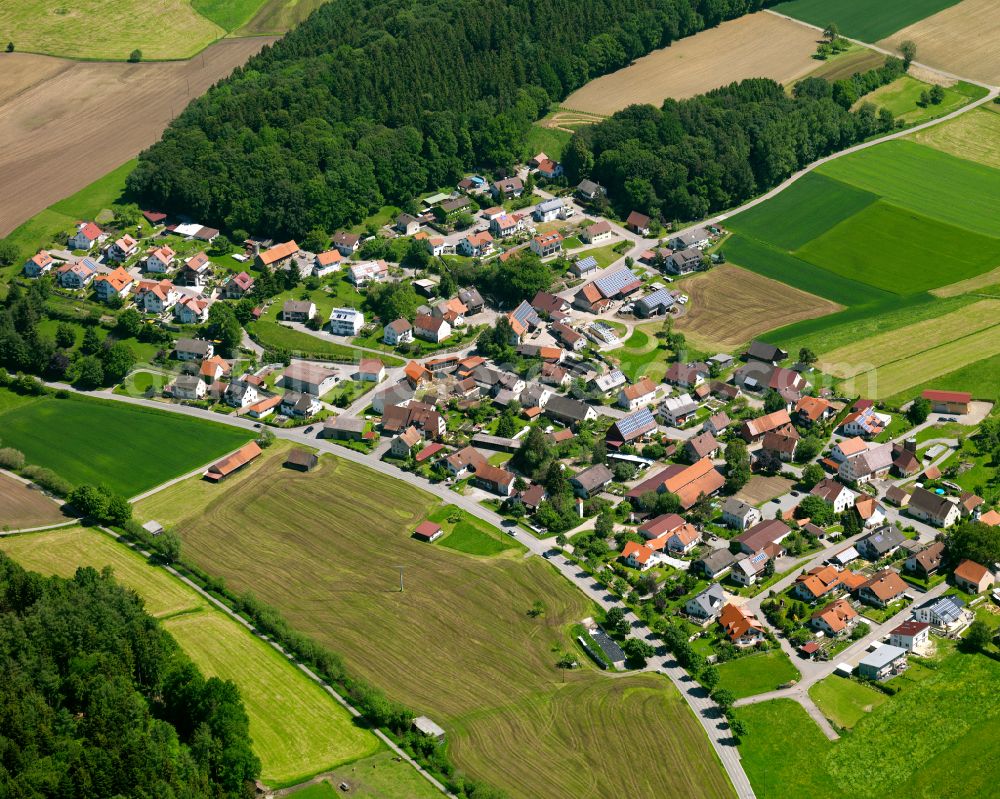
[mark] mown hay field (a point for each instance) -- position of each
(862, 19)
(457, 644)
(729, 306)
(298, 730)
(111, 443)
(961, 39)
(906, 342)
(22, 508)
(974, 136)
(754, 46)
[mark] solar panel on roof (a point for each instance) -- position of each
(610, 285)
(658, 298)
(635, 421)
(586, 264)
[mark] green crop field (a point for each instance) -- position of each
(907, 747)
(886, 246)
(757, 674)
(126, 447)
(862, 19)
(457, 644)
(297, 729)
(845, 702)
(925, 180)
(377, 777)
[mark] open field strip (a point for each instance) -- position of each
(381, 776)
(909, 341)
(757, 45)
(842, 66)
(22, 508)
(981, 378)
(961, 39)
(89, 441)
(861, 19)
(757, 674)
(896, 376)
(974, 136)
(297, 729)
(845, 702)
(987, 283)
(902, 98)
(107, 29)
(457, 644)
(730, 306)
(273, 16)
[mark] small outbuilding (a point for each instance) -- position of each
(424, 725)
(301, 460)
(428, 532)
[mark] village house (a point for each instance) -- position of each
(927, 561)
(717, 423)
(811, 410)
(716, 563)
(398, 332)
(38, 264)
(122, 249)
(546, 244)
(834, 493)
(213, 368)
(404, 445)
(597, 232)
(346, 321)
(872, 464)
(678, 410)
(501, 227)
(947, 615)
(833, 619)
(86, 236)
(191, 311)
(755, 538)
(637, 395)
(970, 505)
(880, 544)
(779, 445)
(308, 378)
(188, 387)
(347, 243)
(590, 299)
(638, 223)
(754, 430)
(475, 245)
(453, 311)
(706, 605)
(407, 225)
(495, 480)
(630, 428)
(866, 423)
(738, 514)
(371, 370)
(683, 262)
(689, 483)
(76, 275)
(821, 581)
(741, 626)
(114, 284)
(885, 662)
(696, 237)
(701, 446)
(935, 509)
(431, 329)
(238, 286)
(911, 635)
(606, 383)
(241, 393)
(972, 577)
(472, 300)
(298, 310)
(569, 412)
(686, 375)
(589, 190)
(882, 589)
(449, 210)
(365, 272)
(638, 556)
(870, 511)
(549, 304)
(591, 481)
(189, 349)
(326, 262)
(157, 297)
(507, 188)
(747, 570)
(299, 405)
(464, 461)
(160, 259)
(549, 169)
(396, 418)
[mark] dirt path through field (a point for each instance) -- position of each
(64, 124)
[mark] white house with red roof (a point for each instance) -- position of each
(160, 260)
(431, 328)
(38, 264)
(113, 284)
(157, 297)
(238, 286)
(191, 311)
(475, 245)
(122, 249)
(86, 236)
(76, 275)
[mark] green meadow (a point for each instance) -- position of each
(863, 19)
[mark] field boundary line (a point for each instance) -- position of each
(884, 51)
(291, 658)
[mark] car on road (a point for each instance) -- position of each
(309, 429)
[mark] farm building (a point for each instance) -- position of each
(233, 463)
(301, 460)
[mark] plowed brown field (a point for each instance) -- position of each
(64, 124)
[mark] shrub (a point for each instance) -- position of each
(48, 479)
(11, 458)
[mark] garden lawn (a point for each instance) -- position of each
(297, 728)
(757, 674)
(470, 534)
(945, 713)
(126, 447)
(862, 19)
(845, 702)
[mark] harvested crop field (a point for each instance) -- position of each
(86, 118)
(754, 46)
(905, 342)
(23, 508)
(729, 306)
(974, 136)
(763, 489)
(457, 644)
(961, 39)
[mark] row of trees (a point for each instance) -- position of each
(374, 102)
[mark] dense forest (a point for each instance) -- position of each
(97, 700)
(374, 101)
(711, 152)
